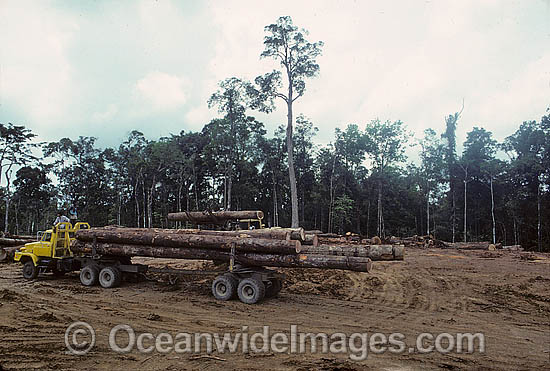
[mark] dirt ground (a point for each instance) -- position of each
(505, 295)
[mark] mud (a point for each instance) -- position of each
(505, 295)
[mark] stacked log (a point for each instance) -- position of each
(359, 264)
(374, 252)
(214, 217)
(16, 240)
(188, 240)
(275, 247)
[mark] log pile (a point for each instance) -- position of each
(271, 247)
(431, 242)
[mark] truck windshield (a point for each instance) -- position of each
(46, 237)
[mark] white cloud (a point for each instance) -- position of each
(162, 91)
(105, 68)
(107, 115)
(36, 76)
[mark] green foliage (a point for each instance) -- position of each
(297, 56)
(385, 143)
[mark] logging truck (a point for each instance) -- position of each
(103, 255)
(53, 254)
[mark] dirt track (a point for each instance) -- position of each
(502, 295)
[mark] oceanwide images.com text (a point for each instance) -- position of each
(80, 339)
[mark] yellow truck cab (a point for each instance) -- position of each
(51, 253)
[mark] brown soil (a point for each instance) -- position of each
(504, 295)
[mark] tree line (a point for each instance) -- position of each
(361, 182)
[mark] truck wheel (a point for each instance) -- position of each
(224, 287)
(89, 275)
(30, 271)
(274, 288)
(110, 277)
(251, 290)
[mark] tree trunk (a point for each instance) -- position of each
(291, 174)
(368, 217)
(454, 216)
(195, 189)
(196, 240)
(8, 199)
(275, 207)
(465, 198)
(137, 200)
(380, 227)
(144, 201)
(539, 221)
(493, 211)
(428, 213)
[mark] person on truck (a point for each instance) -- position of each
(73, 215)
(61, 219)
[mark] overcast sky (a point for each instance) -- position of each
(103, 68)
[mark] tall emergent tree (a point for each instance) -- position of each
(287, 44)
(15, 149)
(450, 158)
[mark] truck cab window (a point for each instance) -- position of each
(46, 237)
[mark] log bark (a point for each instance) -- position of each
(471, 245)
(273, 233)
(359, 264)
(513, 248)
(295, 233)
(314, 231)
(374, 252)
(14, 241)
(151, 237)
(329, 235)
(216, 217)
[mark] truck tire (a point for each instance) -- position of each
(110, 277)
(224, 287)
(274, 288)
(251, 290)
(30, 271)
(89, 275)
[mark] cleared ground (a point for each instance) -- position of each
(504, 295)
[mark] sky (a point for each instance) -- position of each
(104, 68)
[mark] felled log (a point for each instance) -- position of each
(215, 217)
(331, 240)
(184, 240)
(297, 234)
(328, 235)
(469, 245)
(274, 233)
(513, 248)
(311, 239)
(374, 252)
(358, 264)
(5, 241)
(314, 231)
